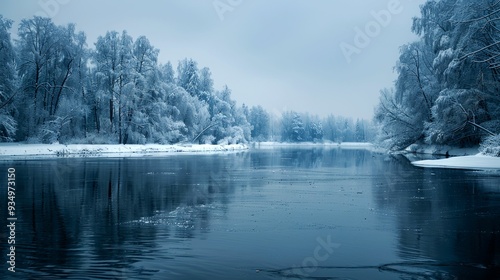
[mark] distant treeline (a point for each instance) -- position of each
(295, 127)
(448, 88)
(53, 88)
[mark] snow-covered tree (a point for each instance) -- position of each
(315, 131)
(465, 38)
(447, 91)
(106, 61)
(491, 146)
(116, 71)
(330, 128)
(188, 76)
(313, 128)
(360, 134)
(143, 86)
(260, 121)
(185, 108)
(457, 112)
(297, 129)
(54, 89)
(8, 87)
(206, 85)
(74, 106)
(167, 73)
(292, 127)
(228, 122)
(48, 57)
(397, 125)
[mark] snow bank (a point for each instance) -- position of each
(441, 150)
(476, 162)
(90, 150)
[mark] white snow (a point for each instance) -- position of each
(475, 162)
(441, 150)
(88, 150)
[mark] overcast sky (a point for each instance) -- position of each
(284, 54)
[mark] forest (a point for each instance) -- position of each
(448, 86)
(54, 88)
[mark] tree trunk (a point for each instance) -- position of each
(97, 121)
(111, 112)
(120, 128)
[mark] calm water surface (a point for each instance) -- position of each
(283, 213)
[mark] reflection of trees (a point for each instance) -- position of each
(98, 206)
(443, 215)
(307, 157)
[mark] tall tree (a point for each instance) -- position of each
(48, 57)
(188, 76)
(144, 86)
(8, 90)
(260, 121)
(167, 73)
(206, 85)
(115, 69)
(71, 115)
(448, 84)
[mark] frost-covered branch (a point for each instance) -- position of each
(479, 50)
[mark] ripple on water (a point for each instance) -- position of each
(185, 217)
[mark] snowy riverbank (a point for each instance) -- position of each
(475, 162)
(460, 158)
(17, 150)
(441, 150)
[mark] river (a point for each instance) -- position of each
(280, 213)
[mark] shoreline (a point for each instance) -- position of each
(456, 158)
(15, 151)
(440, 150)
(474, 162)
(19, 151)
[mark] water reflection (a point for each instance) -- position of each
(450, 216)
(309, 157)
(92, 214)
(228, 216)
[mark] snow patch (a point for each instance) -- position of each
(441, 150)
(475, 162)
(90, 150)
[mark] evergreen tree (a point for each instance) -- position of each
(188, 77)
(260, 121)
(298, 130)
